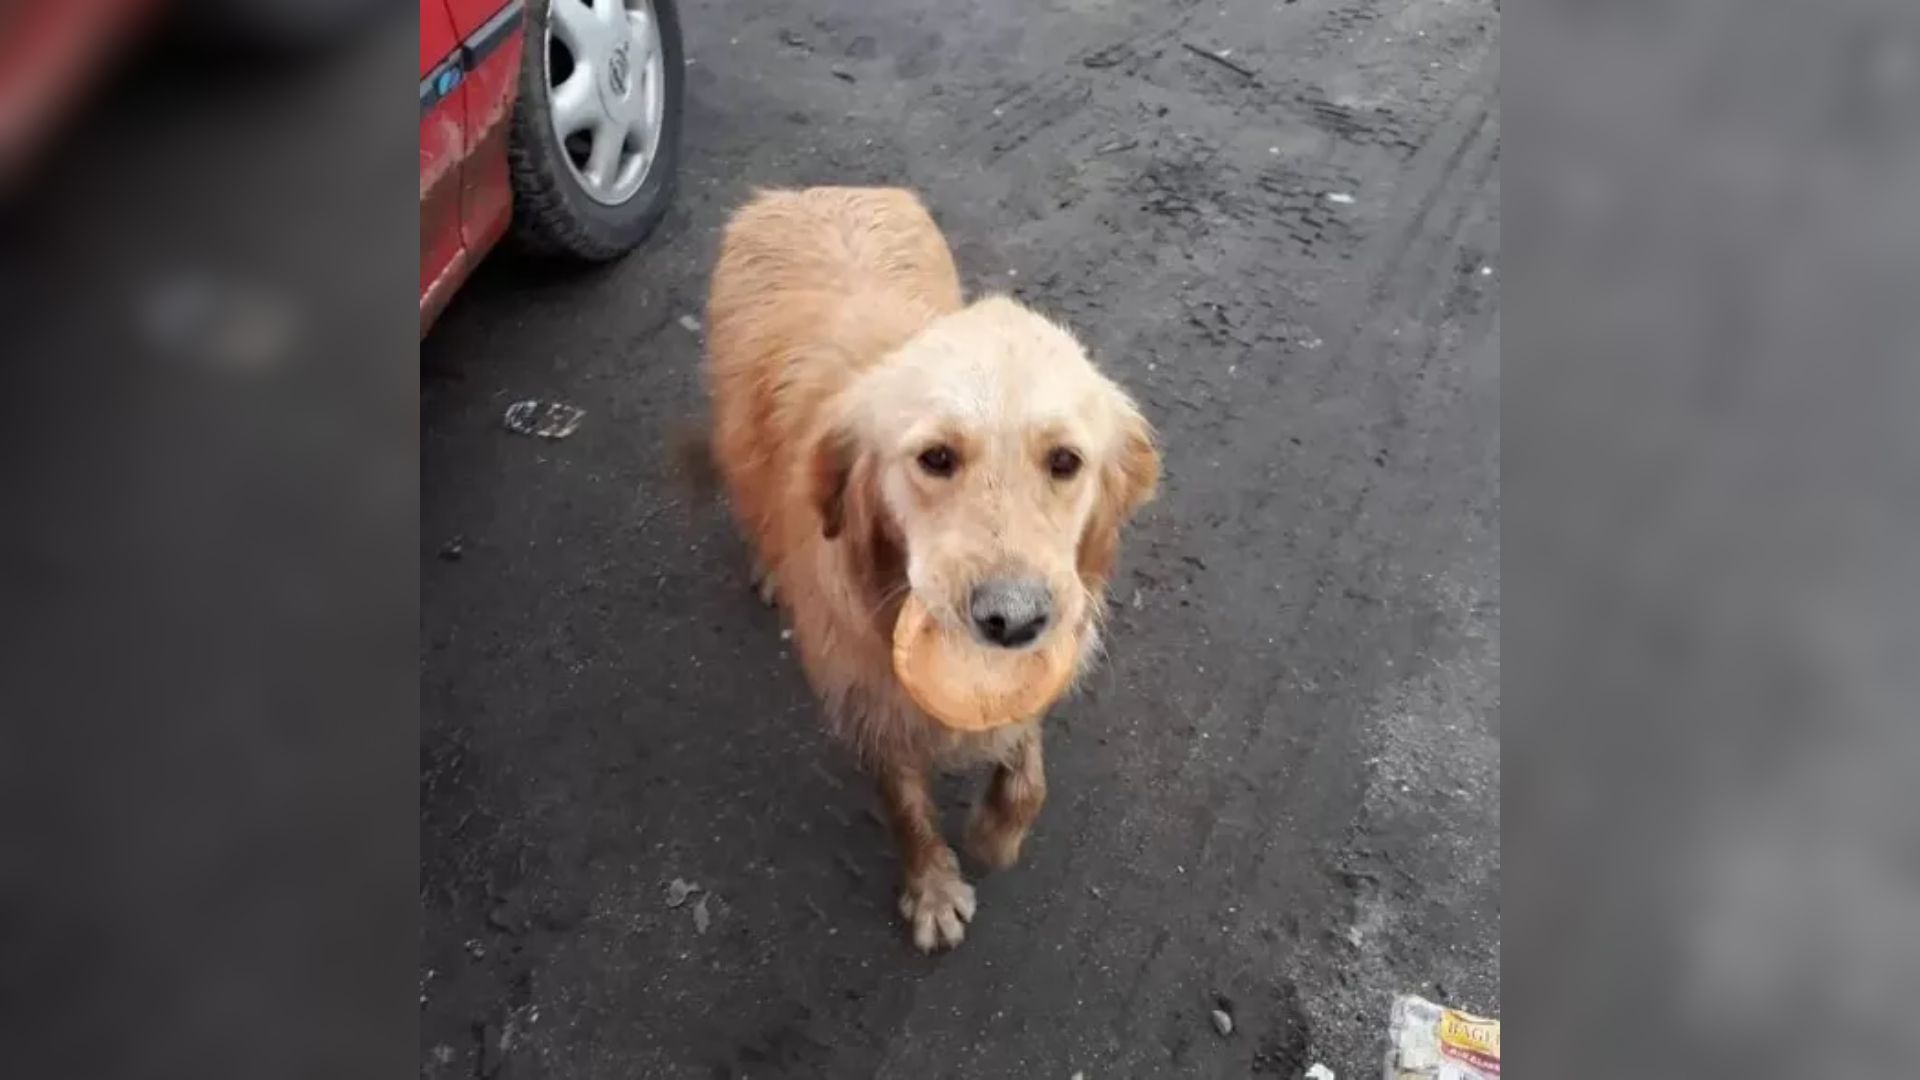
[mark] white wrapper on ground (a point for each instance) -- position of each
(1428, 1042)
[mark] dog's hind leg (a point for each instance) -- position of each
(1009, 806)
(934, 899)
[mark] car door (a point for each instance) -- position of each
(443, 149)
(491, 38)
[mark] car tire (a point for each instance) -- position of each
(555, 212)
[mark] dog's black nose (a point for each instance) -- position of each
(1009, 612)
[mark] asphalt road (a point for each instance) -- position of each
(1281, 795)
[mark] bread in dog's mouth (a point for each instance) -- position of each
(970, 687)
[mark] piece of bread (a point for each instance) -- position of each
(970, 687)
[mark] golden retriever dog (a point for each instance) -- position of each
(876, 437)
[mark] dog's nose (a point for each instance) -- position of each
(1009, 612)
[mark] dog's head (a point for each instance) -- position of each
(988, 466)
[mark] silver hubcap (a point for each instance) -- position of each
(606, 86)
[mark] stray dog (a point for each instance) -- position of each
(876, 437)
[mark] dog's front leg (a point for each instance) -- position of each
(934, 899)
(1009, 806)
(764, 585)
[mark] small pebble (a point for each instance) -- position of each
(1318, 1071)
(678, 891)
(1340, 197)
(690, 324)
(1222, 1023)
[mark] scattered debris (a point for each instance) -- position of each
(545, 419)
(1429, 1042)
(443, 1054)
(1317, 1071)
(1116, 146)
(852, 868)
(678, 891)
(1353, 936)
(475, 949)
(1223, 59)
(1222, 1022)
(690, 324)
(792, 38)
(701, 920)
(1340, 197)
(842, 74)
(453, 549)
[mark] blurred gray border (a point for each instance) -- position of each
(1713, 293)
(208, 573)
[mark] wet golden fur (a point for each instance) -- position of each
(839, 348)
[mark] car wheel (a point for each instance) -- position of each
(595, 139)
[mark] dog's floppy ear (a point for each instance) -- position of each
(842, 476)
(1128, 480)
(832, 467)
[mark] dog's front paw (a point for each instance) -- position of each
(937, 905)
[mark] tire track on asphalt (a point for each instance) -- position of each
(1325, 755)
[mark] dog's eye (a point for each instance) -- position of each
(938, 460)
(1063, 463)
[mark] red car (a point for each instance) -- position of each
(558, 119)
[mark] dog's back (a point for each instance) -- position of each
(810, 287)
